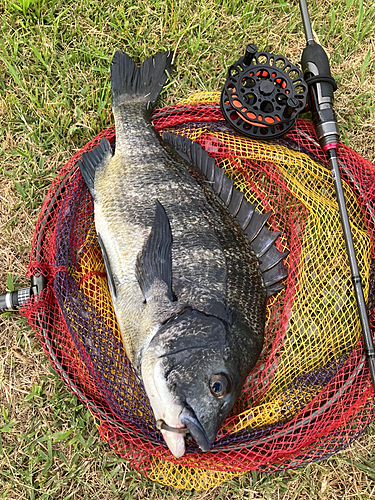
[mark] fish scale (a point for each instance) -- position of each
(186, 285)
(196, 251)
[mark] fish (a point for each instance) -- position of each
(190, 262)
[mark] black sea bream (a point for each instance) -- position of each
(188, 289)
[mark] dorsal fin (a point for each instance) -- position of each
(257, 223)
(155, 259)
(252, 222)
(93, 160)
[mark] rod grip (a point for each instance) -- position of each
(317, 74)
(316, 69)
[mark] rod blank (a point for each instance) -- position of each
(306, 22)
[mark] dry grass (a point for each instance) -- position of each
(54, 97)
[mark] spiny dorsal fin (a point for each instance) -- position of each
(258, 221)
(155, 259)
(271, 258)
(93, 160)
(252, 222)
(273, 277)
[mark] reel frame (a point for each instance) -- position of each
(263, 94)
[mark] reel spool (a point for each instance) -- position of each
(263, 94)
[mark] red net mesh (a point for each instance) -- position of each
(310, 394)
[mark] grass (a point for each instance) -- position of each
(54, 97)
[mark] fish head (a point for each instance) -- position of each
(192, 378)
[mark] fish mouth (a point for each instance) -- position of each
(195, 428)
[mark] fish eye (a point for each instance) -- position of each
(220, 385)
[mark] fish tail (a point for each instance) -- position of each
(131, 83)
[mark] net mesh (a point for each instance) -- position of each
(310, 393)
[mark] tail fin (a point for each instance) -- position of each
(144, 84)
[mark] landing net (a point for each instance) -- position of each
(310, 394)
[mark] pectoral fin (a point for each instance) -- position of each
(155, 259)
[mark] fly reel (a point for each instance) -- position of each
(263, 94)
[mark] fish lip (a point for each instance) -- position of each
(196, 430)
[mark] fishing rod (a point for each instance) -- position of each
(321, 84)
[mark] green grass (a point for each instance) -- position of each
(54, 97)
